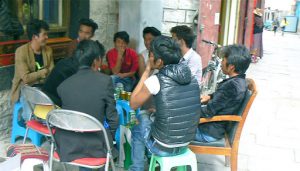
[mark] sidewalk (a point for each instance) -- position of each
(271, 135)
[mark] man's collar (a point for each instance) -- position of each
(187, 55)
(83, 67)
(237, 76)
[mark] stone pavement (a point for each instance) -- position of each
(271, 137)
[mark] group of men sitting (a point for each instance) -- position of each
(168, 71)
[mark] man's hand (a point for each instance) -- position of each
(204, 99)
(121, 75)
(149, 68)
(151, 110)
(44, 72)
(121, 52)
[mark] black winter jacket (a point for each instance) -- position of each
(226, 100)
(177, 106)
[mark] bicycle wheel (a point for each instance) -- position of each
(207, 82)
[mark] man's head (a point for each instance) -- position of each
(149, 33)
(236, 59)
(87, 28)
(90, 53)
(184, 35)
(37, 31)
(121, 39)
(164, 51)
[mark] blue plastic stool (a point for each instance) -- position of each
(188, 158)
(19, 131)
(121, 114)
(123, 110)
(126, 109)
(121, 122)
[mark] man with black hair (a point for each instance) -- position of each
(68, 66)
(122, 61)
(185, 37)
(91, 92)
(86, 31)
(149, 33)
(229, 95)
(177, 100)
(33, 61)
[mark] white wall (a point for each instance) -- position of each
(178, 12)
(134, 15)
(105, 14)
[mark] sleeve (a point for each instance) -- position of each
(22, 69)
(196, 67)
(51, 61)
(152, 83)
(135, 61)
(111, 59)
(110, 109)
(219, 101)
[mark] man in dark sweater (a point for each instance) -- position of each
(229, 95)
(91, 92)
(68, 66)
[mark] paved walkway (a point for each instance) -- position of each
(271, 135)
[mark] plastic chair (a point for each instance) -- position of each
(125, 117)
(123, 109)
(229, 145)
(40, 104)
(68, 120)
(188, 158)
(19, 131)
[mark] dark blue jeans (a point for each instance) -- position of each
(127, 82)
(141, 138)
(201, 137)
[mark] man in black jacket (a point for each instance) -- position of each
(68, 66)
(229, 95)
(176, 95)
(91, 92)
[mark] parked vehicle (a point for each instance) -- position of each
(268, 25)
(212, 74)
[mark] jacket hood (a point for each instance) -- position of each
(180, 73)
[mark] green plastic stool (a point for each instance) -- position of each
(180, 161)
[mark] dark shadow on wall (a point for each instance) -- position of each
(6, 76)
(79, 9)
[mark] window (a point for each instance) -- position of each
(51, 11)
(55, 12)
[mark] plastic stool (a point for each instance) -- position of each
(126, 109)
(19, 131)
(188, 158)
(121, 114)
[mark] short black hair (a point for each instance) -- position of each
(90, 23)
(101, 48)
(166, 49)
(237, 55)
(184, 32)
(152, 30)
(34, 27)
(87, 51)
(122, 35)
